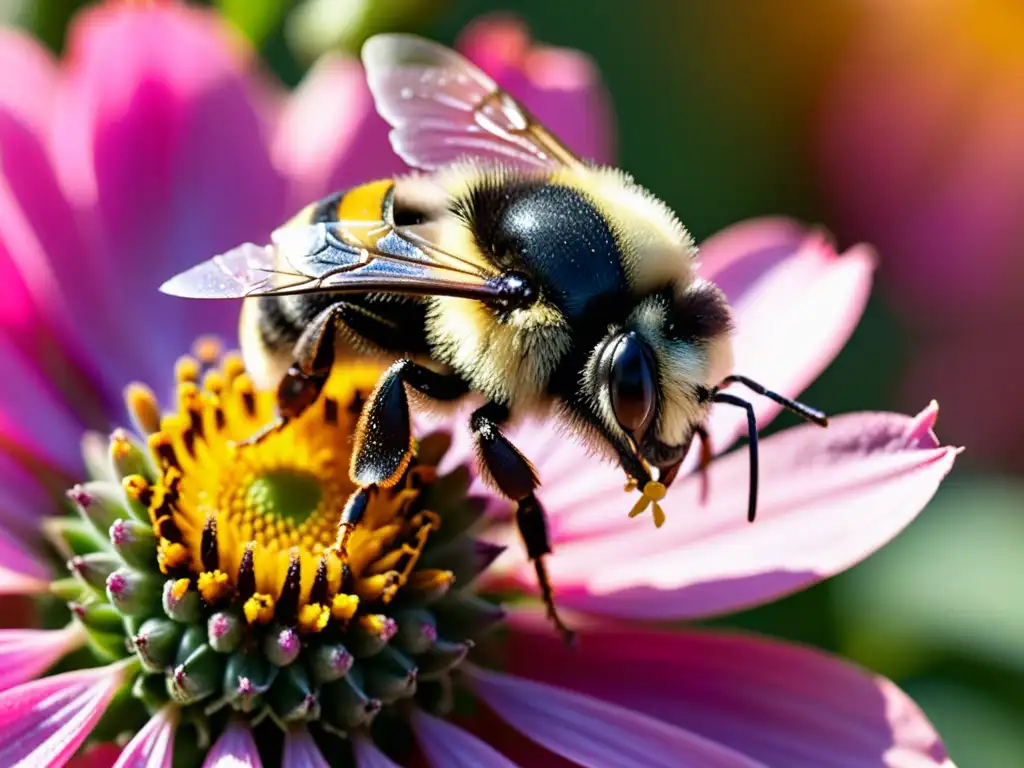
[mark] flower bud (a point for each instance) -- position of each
(345, 705)
(197, 678)
(70, 590)
(128, 457)
(417, 630)
(95, 615)
(100, 503)
(367, 635)
(94, 569)
(180, 601)
(292, 696)
(135, 543)
(133, 593)
(390, 676)
(71, 536)
(156, 643)
(442, 656)
(247, 676)
(330, 662)
(282, 645)
(193, 638)
(224, 630)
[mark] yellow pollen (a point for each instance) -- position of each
(214, 586)
(653, 492)
(180, 588)
(313, 617)
(186, 369)
(343, 607)
(259, 609)
(172, 556)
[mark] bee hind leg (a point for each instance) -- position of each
(516, 479)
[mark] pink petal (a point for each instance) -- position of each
(560, 86)
(163, 145)
(368, 756)
(44, 722)
(234, 749)
(828, 499)
(448, 746)
(20, 573)
(27, 653)
(30, 94)
(781, 704)
(153, 746)
(592, 732)
(790, 324)
(330, 137)
(300, 750)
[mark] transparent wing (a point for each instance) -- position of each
(341, 257)
(441, 108)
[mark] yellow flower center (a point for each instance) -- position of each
(256, 524)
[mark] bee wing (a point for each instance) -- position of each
(441, 107)
(331, 257)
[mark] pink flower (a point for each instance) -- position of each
(116, 173)
(920, 147)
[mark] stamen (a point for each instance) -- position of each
(214, 586)
(186, 369)
(259, 609)
(143, 408)
(208, 350)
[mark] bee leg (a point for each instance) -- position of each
(383, 442)
(302, 384)
(516, 479)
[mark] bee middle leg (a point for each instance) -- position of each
(383, 439)
(516, 479)
(304, 381)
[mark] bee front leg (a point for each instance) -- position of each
(516, 479)
(305, 379)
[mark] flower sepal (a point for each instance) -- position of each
(390, 676)
(128, 457)
(135, 543)
(293, 696)
(99, 502)
(180, 602)
(133, 593)
(330, 662)
(157, 643)
(345, 705)
(198, 677)
(95, 568)
(72, 537)
(96, 615)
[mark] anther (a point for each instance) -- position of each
(186, 369)
(288, 600)
(143, 407)
(208, 546)
(247, 573)
(208, 350)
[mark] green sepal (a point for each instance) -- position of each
(95, 568)
(442, 657)
(462, 614)
(157, 642)
(108, 646)
(100, 503)
(186, 610)
(135, 459)
(198, 678)
(330, 662)
(417, 630)
(192, 640)
(247, 676)
(73, 537)
(293, 697)
(363, 643)
(99, 616)
(134, 593)
(345, 705)
(135, 542)
(390, 676)
(151, 690)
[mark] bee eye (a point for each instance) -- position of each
(630, 382)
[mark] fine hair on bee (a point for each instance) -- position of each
(507, 271)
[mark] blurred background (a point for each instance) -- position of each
(896, 123)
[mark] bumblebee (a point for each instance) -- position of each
(508, 270)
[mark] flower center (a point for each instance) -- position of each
(223, 564)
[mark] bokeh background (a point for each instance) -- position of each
(899, 123)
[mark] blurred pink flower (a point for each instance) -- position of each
(921, 151)
(119, 170)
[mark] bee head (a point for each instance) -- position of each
(650, 379)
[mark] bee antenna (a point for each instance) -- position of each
(803, 411)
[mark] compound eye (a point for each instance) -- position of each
(631, 383)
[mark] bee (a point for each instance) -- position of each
(507, 269)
